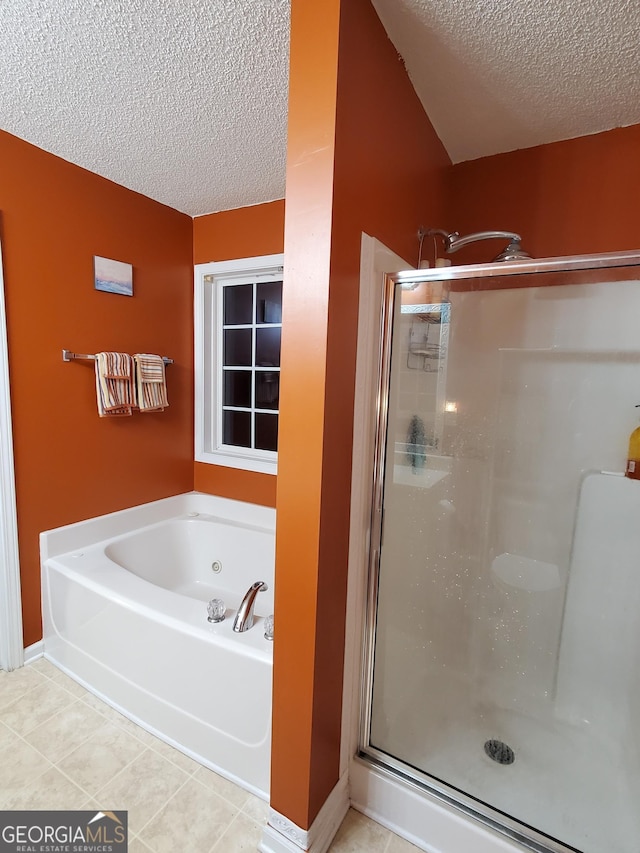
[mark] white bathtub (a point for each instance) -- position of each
(124, 609)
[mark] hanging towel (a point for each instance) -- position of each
(115, 388)
(151, 386)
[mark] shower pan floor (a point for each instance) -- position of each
(565, 781)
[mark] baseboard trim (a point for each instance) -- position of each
(34, 651)
(282, 835)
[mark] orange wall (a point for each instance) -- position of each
(244, 232)
(241, 233)
(234, 483)
(69, 463)
(309, 194)
(573, 197)
(362, 156)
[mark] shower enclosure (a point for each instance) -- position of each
(503, 663)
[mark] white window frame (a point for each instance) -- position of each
(209, 280)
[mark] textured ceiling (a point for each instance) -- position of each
(185, 100)
(496, 75)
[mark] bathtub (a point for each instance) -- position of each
(125, 614)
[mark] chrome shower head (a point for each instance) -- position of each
(453, 241)
(513, 252)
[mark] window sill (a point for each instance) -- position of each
(233, 460)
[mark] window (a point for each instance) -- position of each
(238, 323)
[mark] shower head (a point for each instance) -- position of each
(453, 241)
(513, 252)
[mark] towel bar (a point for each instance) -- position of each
(69, 355)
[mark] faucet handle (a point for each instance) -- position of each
(216, 610)
(268, 627)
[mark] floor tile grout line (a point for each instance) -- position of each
(18, 736)
(68, 753)
(145, 748)
(227, 828)
(156, 813)
(135, 836)
(42, 722)
(158, 750)
(125, 723)
(121, 771)
(108, 710)
(46, 760)
(122, 723)
(39, 669)
(74, 782)
(222, 796)
(84, 790)
(175, 794)
(54, 765)
(246, 813)
(154, 746)
(233, 820)
(22, 696)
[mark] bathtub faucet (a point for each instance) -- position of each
(244, 616)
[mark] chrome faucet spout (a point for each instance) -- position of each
(244, 616)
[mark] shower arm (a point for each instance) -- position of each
(453, 241)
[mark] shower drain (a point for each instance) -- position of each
(498, 751)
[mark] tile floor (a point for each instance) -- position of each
(62, 748)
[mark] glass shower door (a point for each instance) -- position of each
(505, 632)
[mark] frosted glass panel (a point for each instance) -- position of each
(507, 643)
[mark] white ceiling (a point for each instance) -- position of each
(185, 100)
(496, 75)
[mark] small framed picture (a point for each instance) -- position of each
(113, 276)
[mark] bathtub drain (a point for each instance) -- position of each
(498, 751)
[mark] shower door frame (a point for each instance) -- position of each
(484, 814)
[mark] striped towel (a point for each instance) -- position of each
(151, 385)
(115, 388)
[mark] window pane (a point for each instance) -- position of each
(237, 388)
(268, 347)
(269, 302)
(267, 389)
(237, 347)
(238, 304)
(236, 428)
(266, 432)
